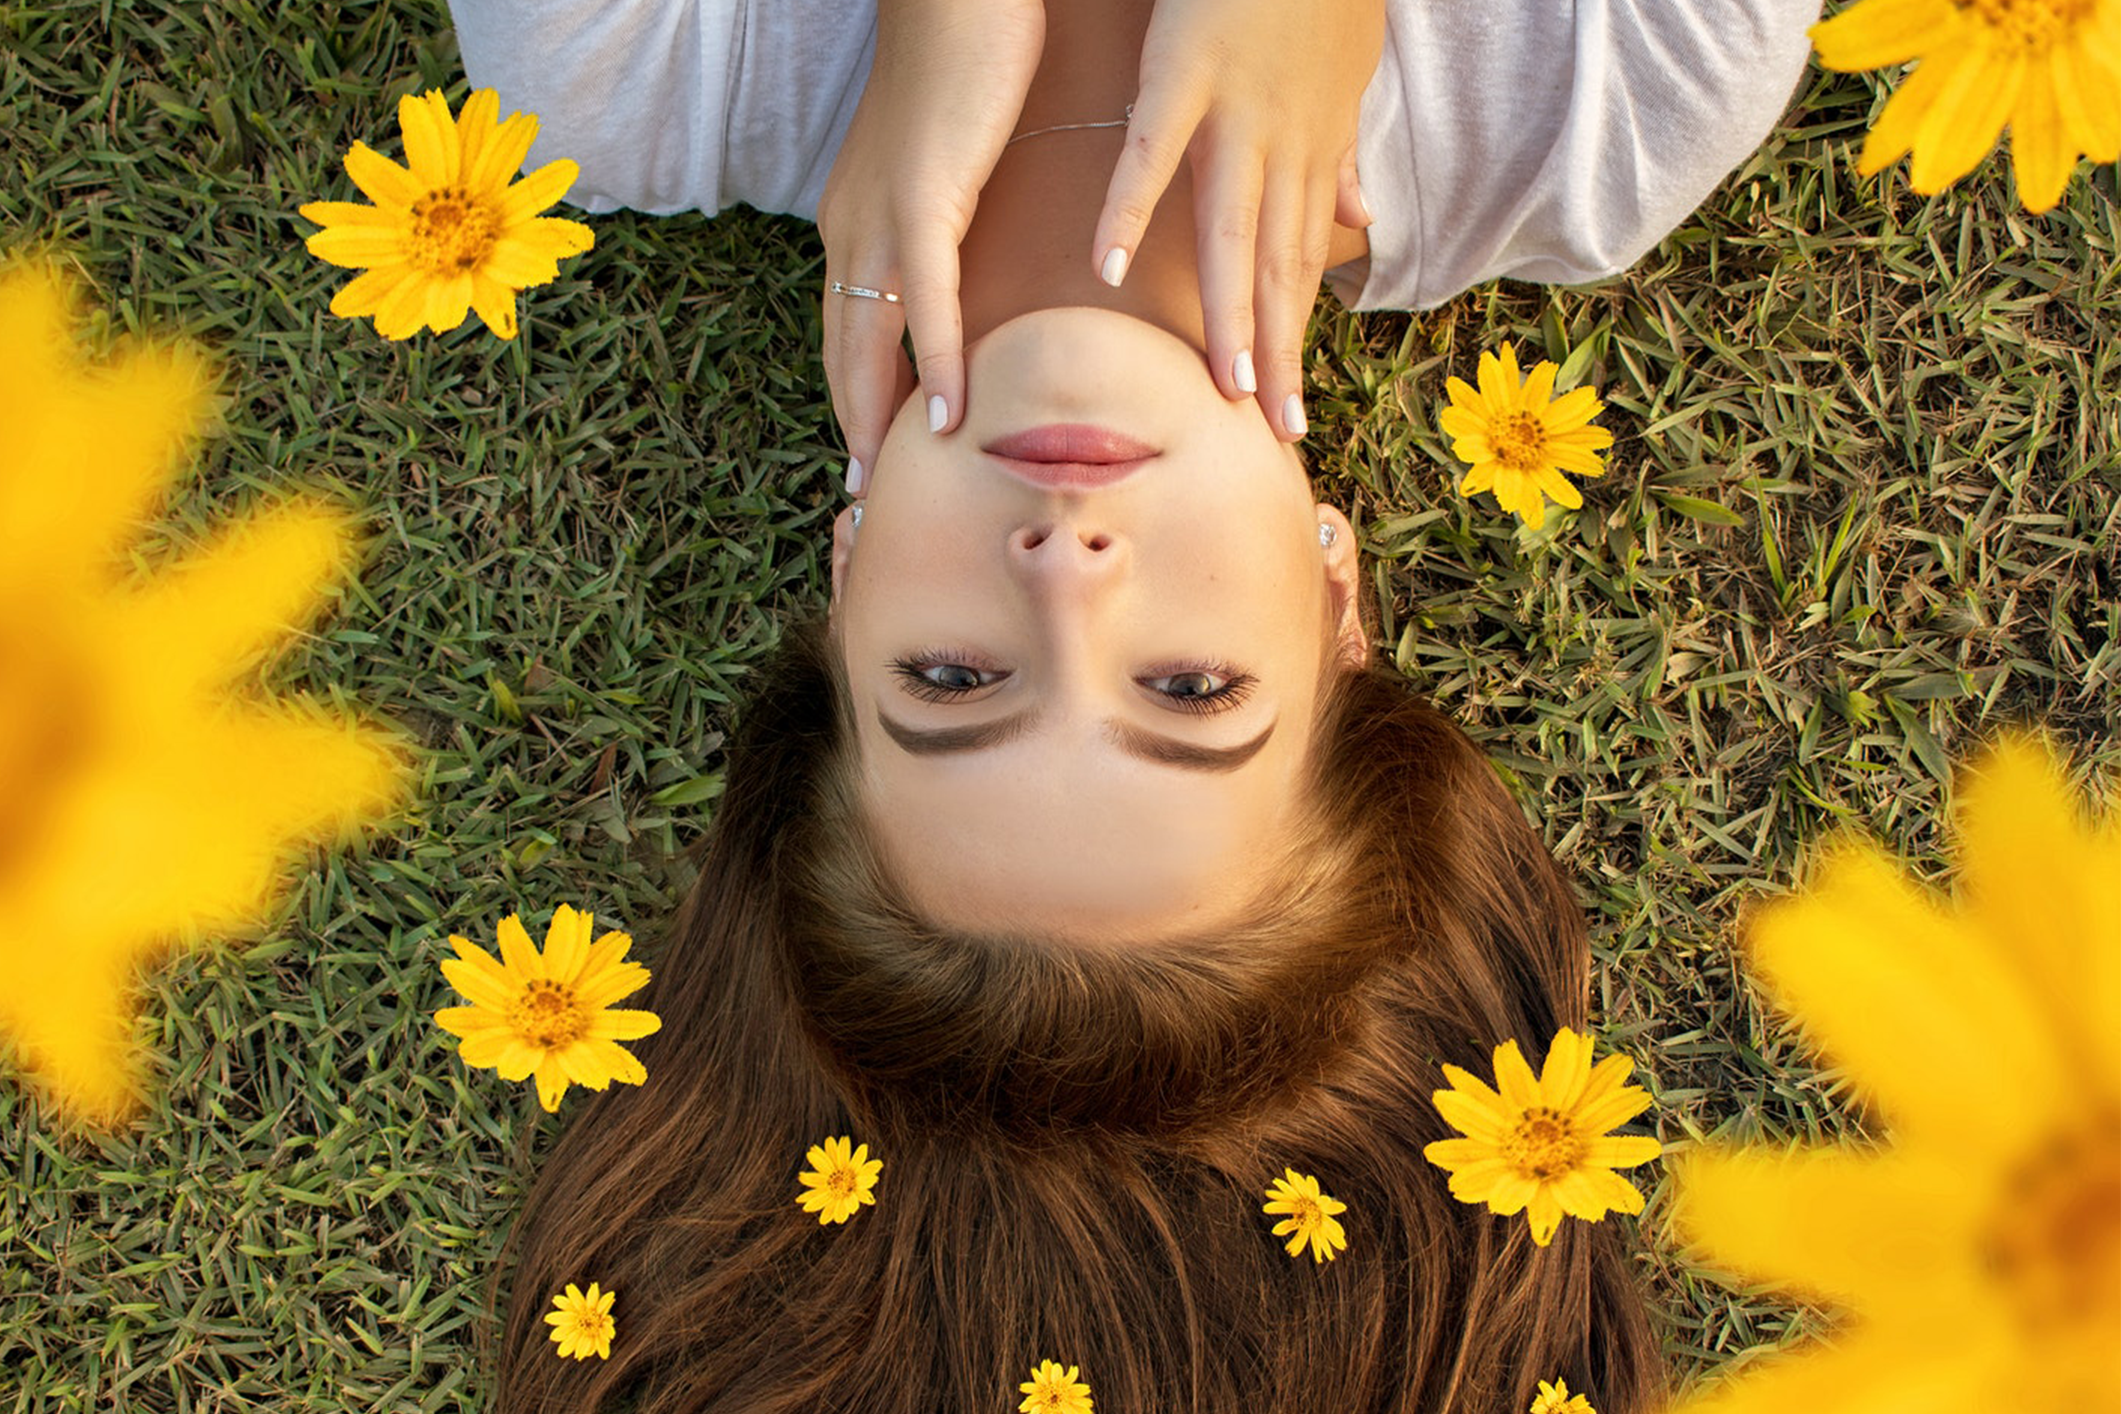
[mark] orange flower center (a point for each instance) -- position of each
(1543, 1145)
(1520, 442)
(2031, 26)
(452, 232)
(547, 1014)
(841, 1183)
(1306, 1211)
(2053, 1243)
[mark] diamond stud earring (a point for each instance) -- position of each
(1327, 534)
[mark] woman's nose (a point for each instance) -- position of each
(1059, 556)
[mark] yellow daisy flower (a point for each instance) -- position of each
(1310, 1216)
(146, 799)
(453, 233)
(1052, 1390)
(1539, 1144)
(1978, 1248)
(1519, 438)
(1555, 1399)
(582, 1324)
(2051, 69)
(548, 1014)
(839, 1180)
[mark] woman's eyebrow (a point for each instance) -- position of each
(942, 740)
(1145, 745)
(1170, 751)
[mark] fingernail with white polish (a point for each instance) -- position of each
(938, 413)
(857, 477)
(1114, 269)
(1367, 218)
(1292, 416)
(1241, 372)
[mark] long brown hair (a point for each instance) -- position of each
(1077, 1141)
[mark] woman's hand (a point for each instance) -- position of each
(1263, 96)
(944, 92)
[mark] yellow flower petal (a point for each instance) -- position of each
(1906, 112)
(501, 158)
(538, 190)
(495, 303)
(380, 179)
(1964, 123)
(1880, 32)
(1892, 987)
(517, 954)
(366, 292)
(431, 147)
(357, 247)
(1513, 1078)
(567, 944)
(348, 213)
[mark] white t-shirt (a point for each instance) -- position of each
(1550, 140)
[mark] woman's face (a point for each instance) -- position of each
(1085, 635)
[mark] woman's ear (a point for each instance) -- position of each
(1343, 586)
(842, 546)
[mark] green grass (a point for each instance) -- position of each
(1860, 514)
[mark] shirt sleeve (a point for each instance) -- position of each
(635, 91)
(1556, 140)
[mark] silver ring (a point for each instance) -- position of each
(864, 292)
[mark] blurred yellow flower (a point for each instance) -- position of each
(1518, 438)
(549, 1013)
(144, 800)
(2051, 69)
(454, 233)
(839, 1180)
(1052, 1390)
(1978, 1247)
(1555, 1399)
(1539, 1145)
(582, 1323)
(1311, 1216)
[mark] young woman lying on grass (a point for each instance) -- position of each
(1081, 863)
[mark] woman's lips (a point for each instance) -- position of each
(1069, 454)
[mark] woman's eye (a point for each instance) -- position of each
(954, 677)
(1189, 685)
(1201, 689)
(937, 680)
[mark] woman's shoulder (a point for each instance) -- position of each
(1558, 140)
(677, 105)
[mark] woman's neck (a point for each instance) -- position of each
(1030, 243)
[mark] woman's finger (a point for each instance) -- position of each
(1295, 224)
(1349, 209)
(1157, 136)
(936, 323)
(866, 369)
(1226, 227)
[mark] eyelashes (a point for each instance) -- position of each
(946, 676)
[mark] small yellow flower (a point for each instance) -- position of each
(1052, 1390)
(1555, 1399)
(1518, 438)
(838, 1181)
(452, 234)
(549, 1013)
(2051, 69)
(1310, 1216)
(1976, 1252)
(1540, 1144)
(582, 1325)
